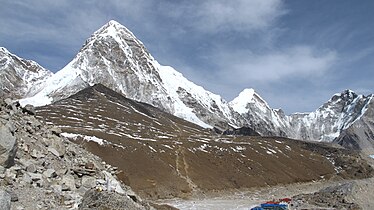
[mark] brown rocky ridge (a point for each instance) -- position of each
(162, 156)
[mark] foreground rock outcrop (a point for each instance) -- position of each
(41, 170)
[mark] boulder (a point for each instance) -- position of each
(94, 199)
(35, 176)
(5, 200)
(8, 102)
(31, 168)
(68, 182)
(13, 195)
(56, 131)
(8, 147)
(57, 147)
(49, 173)
(88, 182)
(29, 109)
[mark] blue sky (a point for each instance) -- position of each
(296, 54)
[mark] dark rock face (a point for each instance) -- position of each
(348, 140)
(360, 135)
(243, 131)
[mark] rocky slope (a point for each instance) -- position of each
(163, 156)
(19, 77)
(41, 170)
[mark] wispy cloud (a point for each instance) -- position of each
(296, 62)
(214, 16)
(238, 15)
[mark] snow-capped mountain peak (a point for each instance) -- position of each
(114, 57)
(239, 104)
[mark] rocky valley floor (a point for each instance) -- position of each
(347, 194)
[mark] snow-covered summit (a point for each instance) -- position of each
(240, 103)
(246, 97)
(114, 57)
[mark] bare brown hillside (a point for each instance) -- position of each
(162, 156)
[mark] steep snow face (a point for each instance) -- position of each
(211, 108)
(20, 77)
(114, 57)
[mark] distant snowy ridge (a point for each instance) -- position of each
(20, 77)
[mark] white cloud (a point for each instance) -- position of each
(296, 62)
(237, 15)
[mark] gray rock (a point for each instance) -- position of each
(25, 162)
(8, 147)
(2, 170)
(56, 131)
(54, 151)
(31, 168)
(5, 200)
(35, 176)
(46, 142)
(69, 182)
(13, 195)
(40, 183)
(5, 116)
(94, 199)
(61, 172)
(29, 109)
(8, 102)
(49, 173)
(35, 153)
(57, 146)
(27, 178)
(56, 189)
(88, 182)
(11, 127)
(10, 174)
